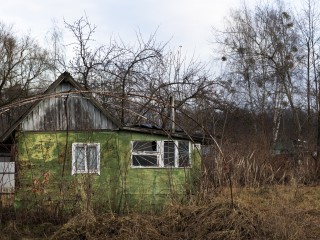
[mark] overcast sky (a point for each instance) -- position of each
(187, 23)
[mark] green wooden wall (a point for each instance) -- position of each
(44, 174)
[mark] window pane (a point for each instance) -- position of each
(169, 153)
(149, 146)
(80, 158)
(184, 160)
(92, 159)
(144, 160)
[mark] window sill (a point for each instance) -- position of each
(75, 173)
(151, 167)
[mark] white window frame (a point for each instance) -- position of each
(156, 153)
(189, 153)
(7, 177)
(86, 170)
(197, 147)
(160, 154)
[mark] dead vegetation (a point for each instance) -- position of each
(268, 201)
(272, 212)
(264, 213)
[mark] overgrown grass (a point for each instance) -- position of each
(245, 193)
(253, 164)
(269, 212)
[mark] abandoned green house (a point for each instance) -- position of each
(67, 150)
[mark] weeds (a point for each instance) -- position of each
(269, 200)
(274, 214)
(269, 212)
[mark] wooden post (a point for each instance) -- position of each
(318, 137)
(173, 114)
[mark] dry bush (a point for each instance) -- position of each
(265, 212)
(252, 163)
(286, 212)
(109, 226)
(212, 221)
(259, 208)
(275, 212)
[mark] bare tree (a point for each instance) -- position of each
(22, 62)
(310, 39)
(57, 50)
(88, 58)
(136, 74)
(261, 49)
(132, 72)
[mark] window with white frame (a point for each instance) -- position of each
(145, 153)
(85, 158)
(184, 154)
(160, 153)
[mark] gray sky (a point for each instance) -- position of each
(187, 23)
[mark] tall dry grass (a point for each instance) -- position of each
(253, 164)
(269, 212)
(244, 193)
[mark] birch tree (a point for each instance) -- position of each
(261, 51)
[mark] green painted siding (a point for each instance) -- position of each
(44, 174)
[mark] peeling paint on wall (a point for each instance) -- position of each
(44, 173)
